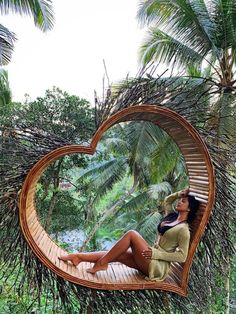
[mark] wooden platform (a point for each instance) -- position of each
(120, 277)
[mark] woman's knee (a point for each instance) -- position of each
(132, 233)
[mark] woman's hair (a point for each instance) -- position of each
(193, 206)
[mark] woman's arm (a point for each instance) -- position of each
(181, 252)
(169, 200)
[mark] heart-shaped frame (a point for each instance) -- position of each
(120, 277)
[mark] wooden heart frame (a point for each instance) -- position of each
(120, 277)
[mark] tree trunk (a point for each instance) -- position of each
(218, 123)
(50, 211)
(56, 182)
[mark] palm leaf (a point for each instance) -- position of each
(137, 202)
(154, 11)
(41, 10)
(5, 92)
(135, 211)
(143, 137)
(224, 16)
(160, 190)
(103, 176)
(161, 47)
(116, 145)
(188, 22)
(7, 39)
(95, 168)
(112, 173)
(179, 174)
(164, 160)
(148, 227)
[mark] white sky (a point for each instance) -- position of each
(71, 55)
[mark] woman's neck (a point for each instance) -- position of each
(182, 216)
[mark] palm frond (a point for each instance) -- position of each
(186, 21)
(143, 138)
(96, 168)
(154, 11)
(148, 226)
(195, 22)
(136, 209)
(179, 175)
(5, 92)
(105, 179)
(160, 190)
(164, 160)
(116, 145)
(7, 39)
(41, 10)
(137, 202)
(224, 16)
(162, 47)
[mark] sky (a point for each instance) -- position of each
(71, 55)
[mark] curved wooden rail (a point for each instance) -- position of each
(120, 277)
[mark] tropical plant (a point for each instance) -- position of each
(198, 37)
(66, 116)
(192, 33)
(40, 10)
(143, 152)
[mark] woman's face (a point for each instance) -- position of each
(182, 205)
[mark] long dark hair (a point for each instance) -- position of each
(193, 206)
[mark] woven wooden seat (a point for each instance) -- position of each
(118, 276)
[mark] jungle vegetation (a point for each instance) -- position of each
(136, 164)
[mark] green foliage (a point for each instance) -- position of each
(12, 302)
(6, 105)
(134, 157)
(5, 92)
(7, 39)
(40, 10)
(197, 37)
(59, 113)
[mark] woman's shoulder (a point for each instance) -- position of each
(184, 230)
(183, 225)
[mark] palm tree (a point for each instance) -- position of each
(187, 33)
(40, 10)
(146, 154)
(5, 91)
(198, 37)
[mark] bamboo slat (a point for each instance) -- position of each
(42, 238)
(118, 276)
(199, 188)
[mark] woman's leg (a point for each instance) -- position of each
(131, 239)
(76, 258)
(92, 257)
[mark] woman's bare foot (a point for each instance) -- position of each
(97, 267)
(73, 258)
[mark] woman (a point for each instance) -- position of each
(132, 250)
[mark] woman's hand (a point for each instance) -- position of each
(147, 253)
(184, 192)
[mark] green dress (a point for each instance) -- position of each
(172, 246)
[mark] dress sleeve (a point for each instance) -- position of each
(180, 253)
(169, 201)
